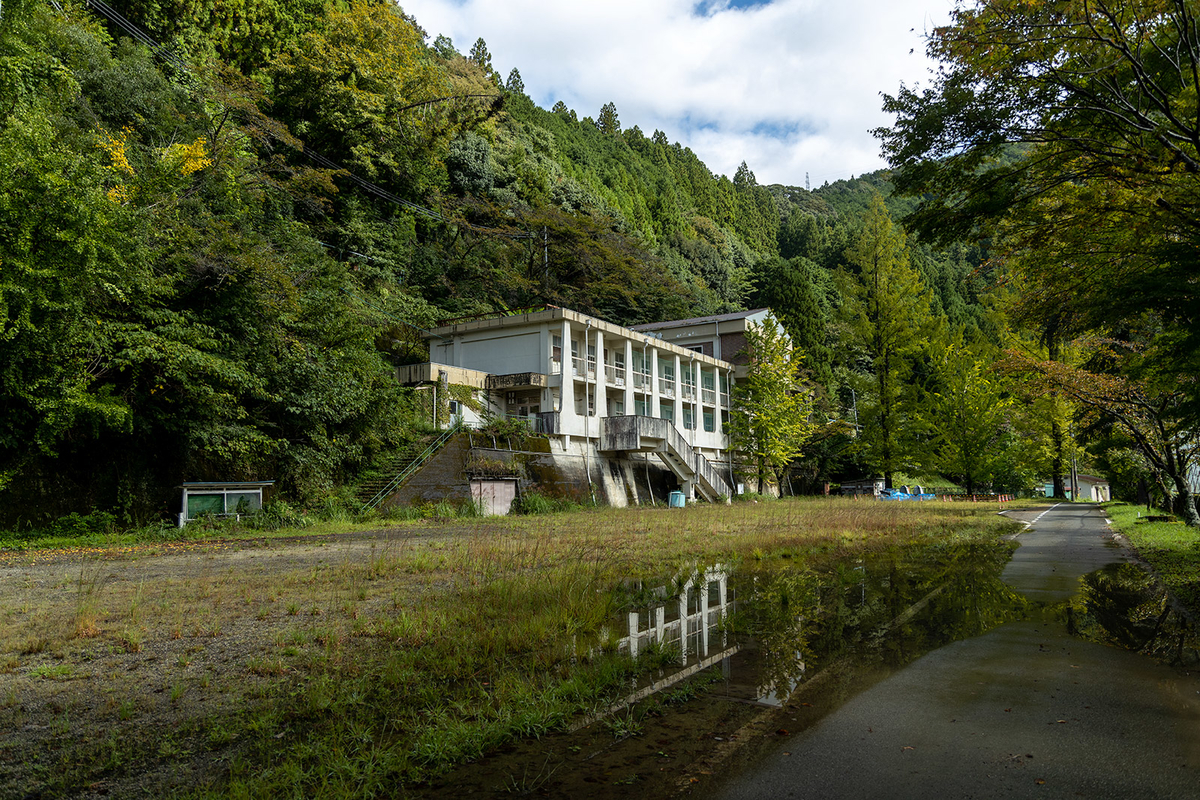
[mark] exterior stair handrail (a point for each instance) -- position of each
(413, 466)
(628, 433)
(699, 465)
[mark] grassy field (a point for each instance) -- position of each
(1172, 548)
(347, 663)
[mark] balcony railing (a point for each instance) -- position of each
(614, 374)
(555, 367)
(641, 380)
(708, 396)
(689, 391)
(666, 387)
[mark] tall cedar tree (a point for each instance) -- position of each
(887, 318)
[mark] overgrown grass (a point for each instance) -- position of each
(538, 503)
(1172, 548)
(277, 520)
(387, 662)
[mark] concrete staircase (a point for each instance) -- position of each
(661, 437)
(410, 460)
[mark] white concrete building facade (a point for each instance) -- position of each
(722, 336)
(567, 373)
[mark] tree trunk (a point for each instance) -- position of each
(1185, 503)
(1056, 432)
(1056, 463)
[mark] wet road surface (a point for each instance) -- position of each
(1025, 710)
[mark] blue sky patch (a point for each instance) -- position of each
(706, 8)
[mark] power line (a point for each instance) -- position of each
(355, 253)
(387, 314)
(137, 33)
(400, 201)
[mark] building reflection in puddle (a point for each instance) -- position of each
(770, 627)
(690, 624)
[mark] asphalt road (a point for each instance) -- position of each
(1025, 710)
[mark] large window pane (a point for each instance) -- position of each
(205, 504)
(252, 500)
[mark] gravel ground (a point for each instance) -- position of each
(120, 664)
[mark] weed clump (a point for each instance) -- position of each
(532, 502)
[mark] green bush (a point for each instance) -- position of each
(537, 503)
(442, 509)
(507, 428)
(75, 524)
(279, 514)
(747, 497)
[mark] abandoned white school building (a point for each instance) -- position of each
(601, 391)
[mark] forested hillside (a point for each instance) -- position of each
(217, 240)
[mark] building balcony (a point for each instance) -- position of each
(578, 369)
(614, 374)
(708, 396)
(517, 380)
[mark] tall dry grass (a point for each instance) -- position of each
(380, 661)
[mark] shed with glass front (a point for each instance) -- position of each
(221, 498)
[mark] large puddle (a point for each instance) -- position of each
(768, 631)
(769, 626)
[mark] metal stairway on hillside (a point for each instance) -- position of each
(660, 436)
(373, 493)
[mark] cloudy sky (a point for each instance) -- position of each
(790, 86)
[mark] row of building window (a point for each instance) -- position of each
(642, 408)
(614, 372)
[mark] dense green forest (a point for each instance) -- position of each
(222, 226)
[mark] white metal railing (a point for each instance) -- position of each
(641, 380)
(689, 391)
(614, 374)
(666, 387)
(576, 365)
(696, 632)
(591, 366)
(724, 400)
(708, 396)
(555, 366)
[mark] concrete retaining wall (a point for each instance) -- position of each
(544, 466)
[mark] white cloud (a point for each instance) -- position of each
(791, 86)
